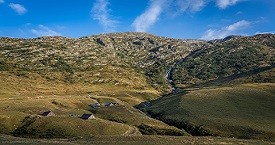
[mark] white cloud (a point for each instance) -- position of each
(2, 1)
(143, 22)
(44, 31)
(197, 5)
(19, 9)
(225, 3)
(100, 12)
(269, 32)
(226, 31)
(190, 5)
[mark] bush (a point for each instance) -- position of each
(149, 130)
(4, 66)
(21, 73)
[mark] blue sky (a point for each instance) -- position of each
(186, 19)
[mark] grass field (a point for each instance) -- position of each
(68, 127)
(244, 111)
(133, 140)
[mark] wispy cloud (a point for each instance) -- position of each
(101, 12)
(44, 31)
(226, 31)
(2, 1)
(190, 5)
(19, 9)
(143, 22)
(269, 32)
(225, 3)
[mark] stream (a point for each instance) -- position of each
(169, 76)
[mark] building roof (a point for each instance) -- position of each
(96, 105)
(48, 113)
(87, 116)
(108, 104)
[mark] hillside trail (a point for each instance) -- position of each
(131, 131)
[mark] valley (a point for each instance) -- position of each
(219, 88)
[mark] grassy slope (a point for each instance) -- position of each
(68, 127)
(245, 111)
(35, 86)
(133, 117)
(25, 96)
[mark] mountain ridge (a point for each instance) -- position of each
(152, 55)
(117, 49)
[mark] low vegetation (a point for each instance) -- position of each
(149, 130)
(227, 61)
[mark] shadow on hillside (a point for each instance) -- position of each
(222, 80)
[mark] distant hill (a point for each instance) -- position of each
(231, 60)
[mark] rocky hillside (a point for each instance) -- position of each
(140, 53)
(234, 59)
(126, 58)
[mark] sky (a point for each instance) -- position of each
(183, 19)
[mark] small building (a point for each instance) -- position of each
(108, 104)
(87, 116)
(96, 105)
(48, 113)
